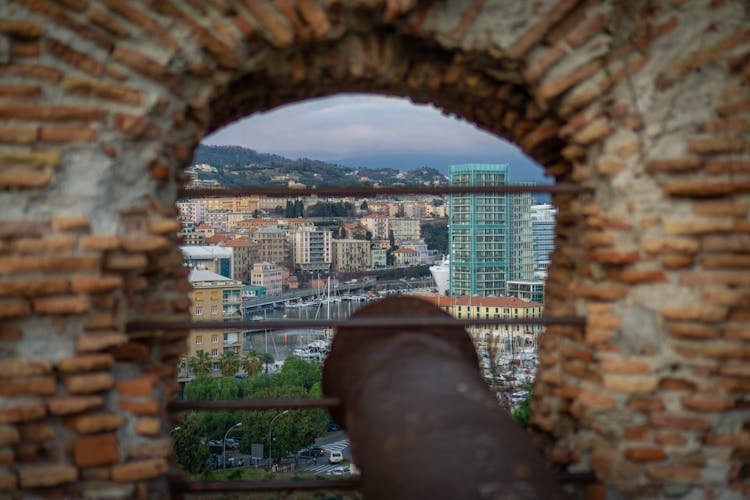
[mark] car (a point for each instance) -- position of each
(336, 457)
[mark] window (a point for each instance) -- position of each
(214, 310)
(214, 339)
(199, 340)
(198, 295)
(214, 353)
(214, 295)
(199, 311)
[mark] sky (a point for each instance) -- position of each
(373, 131)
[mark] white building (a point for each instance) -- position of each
(268, 275)
(543, 233)
(404, 230)
(311, 249)
(192, 211)
(210, 258)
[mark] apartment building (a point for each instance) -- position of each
(311, 249)
(273, 245)
(406, 257)
(214, 298)
(350, 255)
(244, 255)
(193, 211)
(210, 258)
(267, 275)
(404, 230)
(377, 225)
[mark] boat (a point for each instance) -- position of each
(441, 274)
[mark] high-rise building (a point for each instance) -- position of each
(311, 249)
(543, 232)
(490, 234)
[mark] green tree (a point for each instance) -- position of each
(392, 240)
(201, 363)
(435, 234)
(190, 445)
(299, 208)
(229, 363)
(363, 206)
(251, 363)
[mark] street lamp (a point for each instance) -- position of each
(224, 445)
(270, 457)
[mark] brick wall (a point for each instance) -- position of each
(645, 103)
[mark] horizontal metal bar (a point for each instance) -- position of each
(254, 404)
(182, 486)
(292, 324)
(281, 191)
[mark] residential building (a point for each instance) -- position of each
(350, 255)
(219, 219)
(543, 236)
(378, 257)
(490, 234)
(190, 236)
(273, 244)
(210, 258)
(193, 211)
(404, 229)
(214, 298)
(531, 290)
(480, 307)
(405, 257)
(269, 276)
(244, 255)
(311, 249)
(377, 225)
(247, 204)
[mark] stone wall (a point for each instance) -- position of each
(645, 103)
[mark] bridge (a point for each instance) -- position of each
(342, 289)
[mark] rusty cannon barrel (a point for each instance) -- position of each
(421, 421)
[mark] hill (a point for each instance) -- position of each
(235, 166)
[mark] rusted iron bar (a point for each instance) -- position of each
(181, 486)
(378, 191)
(420, 419)
(353, 323)
(254, 404)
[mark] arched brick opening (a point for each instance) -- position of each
(102, 103)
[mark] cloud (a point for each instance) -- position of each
(350, 125)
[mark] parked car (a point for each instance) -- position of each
(336, 457)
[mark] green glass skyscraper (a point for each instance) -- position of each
(488, 233)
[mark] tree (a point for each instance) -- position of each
(190, 445)
(392, 239)
(363, 206)
(435, 234)
(229, 363)
(201, 363)
(299, 208)
(251, 363)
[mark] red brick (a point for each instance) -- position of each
(38, 476)
(645, 404)
(28, 386)
(613, 258)
(137, 386)
(70, 223)
(14, 308)
(106, 20)
(98, 89)
(670, 438)
(20, 91)
(100, 242)
(18, 134)
(95, 450)
(625, 365)
(692, 331)
(85, 363)
(721, 167)
(595, 400)
(534, 34)
(68, 304)
(706, 404)
(674, 165)
(145, 243)
(705, 313)
(676, 384)
(603, 291)
(96, 284)
(645, 454)
(8, 481)
(24, 412)
(21, 28)
(150, 407)
(99, 341)
(682, 422)
(704, 189)
(93, 423)
(92, 382)
(10, 368)
(674, 473)
(68, 405)
(139, 62)
(122, 262)
(8, 435)
(67, 133)
(138, 471)
(148, 426)
(697, 226)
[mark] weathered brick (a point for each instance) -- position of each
(534, 35)
(93, 382)
(706, 404)
(67, 304)
(100, 242)
(38, 476)
(669, 438)
(125, 262)
(630, 383)
(150, 407)
(7, 456)
(674, 165)
(139, 62)
(71, 223)
(96, 422)
(648, 404)
(610, 166)
(142, 385)
(22, 412)
(34, 71)
(24, 179)
(604, 291)
(593, 132)
(613, 257)
(18, 134)
(704, 189)
(635, 277)
(8, 435)
(144, 243)
(595, 400)
(692, 331)
(159, 448)
(37, 432)
(90, 87)
(67, 133)
(641, 433)
(697, 226)
(676, 384)
(148, 426)
(721, 167)
(716, 277)
(711, 145)
(106, 20)
(69, 405)
(96, 284)
(21, 28)
(95, 450)
(707, 313)
(674, 473)
(10, 368)
(719, 261)
(645, 454)
(625, 365)
(138, 471)
(73, 57)
(676, 261)
(8, 481)
(720, 208)
(100, 321)
(14, 308)
(727, 243)
(98, 341)
(682, 422)
(85, 363)
(731, 439)
(27, 386)
(29, 158)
